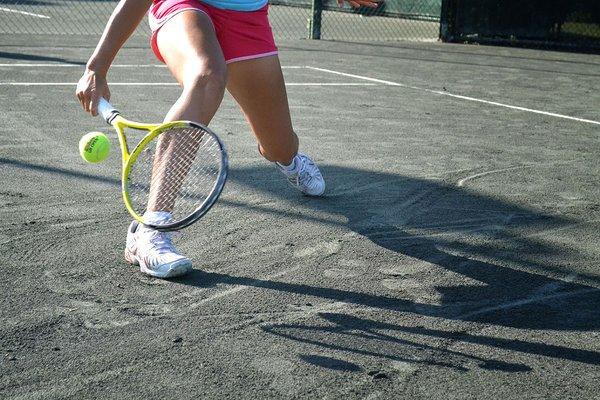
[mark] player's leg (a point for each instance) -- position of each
(187, 42)
(189, 46)
(259, 88)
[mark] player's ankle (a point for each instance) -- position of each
(290, 166)
(280, 157)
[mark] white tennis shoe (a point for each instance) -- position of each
(304, 175)
(154, 252)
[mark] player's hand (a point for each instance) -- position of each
(361, 3)
(90, 88)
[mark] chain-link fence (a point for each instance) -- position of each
(291, 19)
(392, 20)
(546, 23)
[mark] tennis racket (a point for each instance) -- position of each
(177, 171)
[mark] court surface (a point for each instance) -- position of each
(455, 254)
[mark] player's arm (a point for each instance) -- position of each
(125, 18)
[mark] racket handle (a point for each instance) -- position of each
(106, 110)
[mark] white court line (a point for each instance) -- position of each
(74, 84)
(534, 299)
(176, 84)
(73, 65)
(493, 103)
(24, 13)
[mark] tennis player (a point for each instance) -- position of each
(209, 46)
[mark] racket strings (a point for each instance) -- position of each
(175, 173)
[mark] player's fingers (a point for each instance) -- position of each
(87, 102)
(82, 100)
(83, 97)
(80, 97)
(354, 4)
(94, 105)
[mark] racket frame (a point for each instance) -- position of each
(114, 118)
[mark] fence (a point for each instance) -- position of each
(416, 20)
(548, 23)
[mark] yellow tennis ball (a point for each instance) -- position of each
(94, 147)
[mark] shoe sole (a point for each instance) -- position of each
(174, 270)
(295, 186)
(315, 194)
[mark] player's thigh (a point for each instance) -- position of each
(189, 46)
(259, 88)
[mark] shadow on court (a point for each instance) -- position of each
(33, 57)
(460, 231)
(26, 2)
(354, 328)
(343, 332)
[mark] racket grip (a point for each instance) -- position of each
(106, 110)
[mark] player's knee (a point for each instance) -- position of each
(206, 75)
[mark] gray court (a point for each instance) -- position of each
(455, 254)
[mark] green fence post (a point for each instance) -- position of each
(314, 25)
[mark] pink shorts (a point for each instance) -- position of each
(243, 35)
